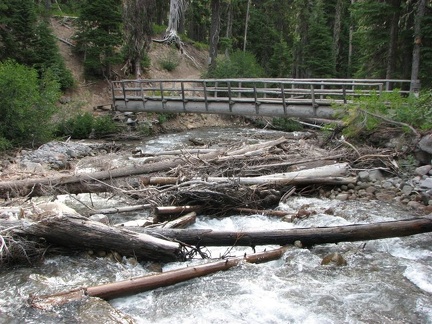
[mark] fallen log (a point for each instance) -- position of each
(141, 284)
(181, 222)
(79, 233)
(267, 212)
(116, 210)
(307, 236)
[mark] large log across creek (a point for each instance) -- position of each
(166, 244)
(306, 236)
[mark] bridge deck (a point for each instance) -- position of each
(265, 97)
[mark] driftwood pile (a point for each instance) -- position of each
(176, 185)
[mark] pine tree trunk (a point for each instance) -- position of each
(214, 32)
(417, 43)
(394, 33)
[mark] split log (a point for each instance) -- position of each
(77, 232)
(307, 236)
(141, 284)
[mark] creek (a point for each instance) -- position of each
(384, 281)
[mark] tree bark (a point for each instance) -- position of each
(307, 236)
(141, 284)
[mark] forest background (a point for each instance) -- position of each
(244, 38)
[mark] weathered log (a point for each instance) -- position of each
(77, 232)
(141, 284)
(181, 222)
(123, 209)
(307, 236)
(268, 212)
(296, 178)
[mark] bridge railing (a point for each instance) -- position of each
(314, 92)
(236, 89)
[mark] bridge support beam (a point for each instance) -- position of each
(242, 109)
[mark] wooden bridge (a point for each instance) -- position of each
(302, 98)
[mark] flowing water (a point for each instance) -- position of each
(384, 281)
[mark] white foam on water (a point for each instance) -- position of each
(421, 276)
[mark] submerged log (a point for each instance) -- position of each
(79, 233)
(141, 284)
(307, 236)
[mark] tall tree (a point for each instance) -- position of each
(395, 6)
(99, 35)
(421, 6)
(214, 32)
(137, 22)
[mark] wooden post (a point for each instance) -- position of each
(283, 98)
(183, 96)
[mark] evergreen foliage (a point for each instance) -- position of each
(239, 65)
(99, 36)
(29, 41)
(318, 52)
(27, 102)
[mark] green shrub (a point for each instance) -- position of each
(28, 103)
(164, 117)
(238, 65)
(4, 144)
(79, 126)
(159, 29)
(169, 61)
(104, 125)
(84, 124)
(367, 113)
(287, 124)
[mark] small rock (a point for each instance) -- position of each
(375, 175)
(342, 196)
(384, 196)
(415, 204)
(334, 259)
(387, 184)
(407, 190)
(371, 189)
(363, 175)
(329, 211)
(423, 170)
(425, 144)
(101, 218)
(426, 183)
(32, 167)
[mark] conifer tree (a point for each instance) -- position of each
(99, 35)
